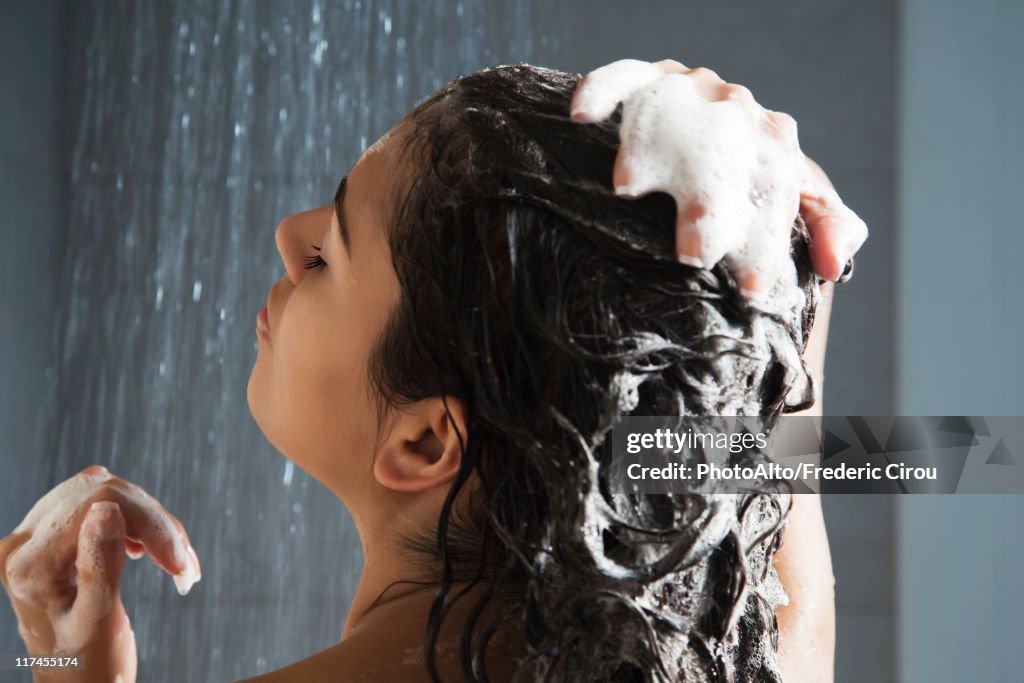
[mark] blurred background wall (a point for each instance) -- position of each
(148, 150)
(961, 320)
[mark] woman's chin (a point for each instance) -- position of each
(252, 396)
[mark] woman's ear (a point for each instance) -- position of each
(422, 450)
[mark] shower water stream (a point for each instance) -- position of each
(194, 129)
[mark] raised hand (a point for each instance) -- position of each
(734, 168)
(61, 568)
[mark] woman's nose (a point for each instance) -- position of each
(297, 235)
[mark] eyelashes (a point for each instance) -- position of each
(314, 262)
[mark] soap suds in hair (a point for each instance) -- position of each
(736, 181)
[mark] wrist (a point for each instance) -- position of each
(109, 656)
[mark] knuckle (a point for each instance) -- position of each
(16, 572)
(95, 471)
(671, 65)
(11, 574)
(122, 491)
(780, 125)
(735, 91)
(785, 121)
(117, 484)
(704, 72)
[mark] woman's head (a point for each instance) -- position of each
(498, 308)
(309, 390)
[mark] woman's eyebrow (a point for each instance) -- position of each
(339, 210)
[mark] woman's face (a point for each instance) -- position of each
(309, 391)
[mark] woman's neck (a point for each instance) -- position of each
(385, 579)
(390, 585)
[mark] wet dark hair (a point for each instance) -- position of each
(549, 306)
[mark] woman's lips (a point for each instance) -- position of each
(263, 322)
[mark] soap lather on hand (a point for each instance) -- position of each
(734, 168)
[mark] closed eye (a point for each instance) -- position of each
(314, 262)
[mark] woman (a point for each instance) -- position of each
(446, 352)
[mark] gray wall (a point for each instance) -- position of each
(163, 252)
(961, 320)
(33, 207)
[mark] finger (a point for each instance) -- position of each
(134, 549)
(8, 546)
(621, 175)
(690, 248)
(707, 231)
(706, 81)
(754, 284)
(856, 233)
(781, 126)
(733, 92)
(815, 175)
(671, 66)
(837, 233)
(631, 177)
(760, 270)
(600, 91)
(69, 492)
(825, 231)
(757, 282)
(161, 534)
(99, 564)
(835, 238)
(638, 171)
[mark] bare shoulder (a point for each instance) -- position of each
(358, 658)
(392, 649)
(377, 657)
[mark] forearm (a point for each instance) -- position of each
(807, 624)
(109, 656)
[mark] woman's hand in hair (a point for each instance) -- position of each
(736, 172)
(61, 568)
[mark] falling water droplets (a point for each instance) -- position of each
(318, 53)
(170, 104)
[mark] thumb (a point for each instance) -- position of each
(99, 563)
